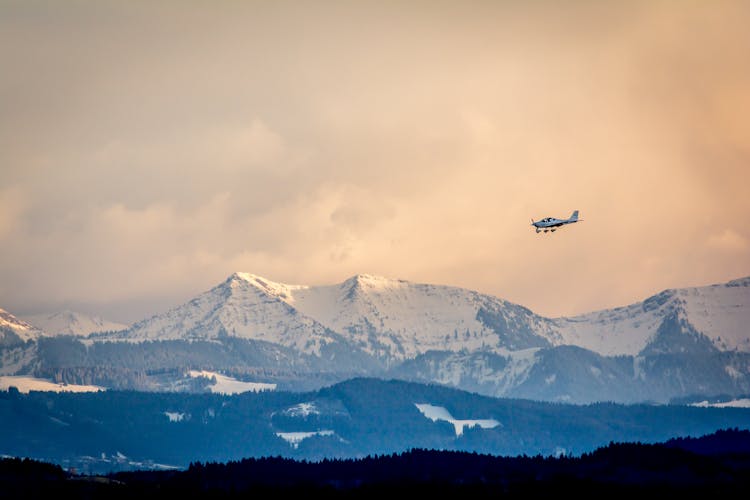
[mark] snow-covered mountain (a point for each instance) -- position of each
(244, 306)
(72, 323)
(396, 320)
(389, 319)
(13, 328)
(17, 344)
(674, 344)
(720, 312)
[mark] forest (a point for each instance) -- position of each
(715, 464)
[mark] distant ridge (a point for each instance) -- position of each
(359, 417)
(679, 343)
(397, 319)
(72, 323)
(13, 327)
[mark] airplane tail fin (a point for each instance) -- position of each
(574, 217)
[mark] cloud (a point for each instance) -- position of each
(12, 206)
(728, 241)
(153, 149)
(251, 146)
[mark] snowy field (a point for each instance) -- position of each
(295, 438)
(25, 384)
(436, 413)
(229, 385)
(224, 384)
(737, 403)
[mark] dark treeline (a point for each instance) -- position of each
(717, 464)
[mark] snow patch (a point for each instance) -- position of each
(733, 372)
(174, 416)
(229, 385)
(295, 438)
(302, 410)
(737, 403)
(436, 413)
(25, 384)
(280, 290)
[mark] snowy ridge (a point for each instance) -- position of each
(370, 325)
(623, 330)
(397, 320)
(72, 323)
(721, 312)
(409, 319)
(400, 319)
(281, 290)
(392, 320)
(19, 327)
(243, 306)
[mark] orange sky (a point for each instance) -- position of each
(148, 150)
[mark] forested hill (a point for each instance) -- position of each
(718, 464)
(112, 431)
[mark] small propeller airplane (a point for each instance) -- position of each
(551, 223)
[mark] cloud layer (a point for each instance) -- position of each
(149, 150)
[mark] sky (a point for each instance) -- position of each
(148, 150)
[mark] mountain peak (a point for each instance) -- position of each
(24, 330)
(271, 287)
(67, 322)
(373, 282)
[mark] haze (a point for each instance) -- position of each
(150, 149)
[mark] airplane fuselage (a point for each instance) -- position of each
(552, 223)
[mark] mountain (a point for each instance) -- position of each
(718, 313)
(396, 320)
(72, 323)
(16, 331)
(123, 430)
(244, 306)
(18, 344)
(676, 344)
(391, 320)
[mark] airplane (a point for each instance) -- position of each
(551, 223)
